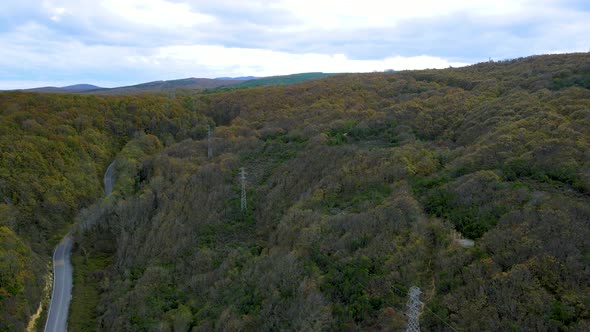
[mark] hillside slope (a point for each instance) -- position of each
(355, 184)
(77, 88)
(280, 80)
(184, 85)
(165, 86)
(53, 152)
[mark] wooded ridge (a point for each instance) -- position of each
(355, 185)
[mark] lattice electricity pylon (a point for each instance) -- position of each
(209, 147)
(243, 180)
(413, 311)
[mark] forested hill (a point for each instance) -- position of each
(193, 85)
(54, 150)
(354, 185)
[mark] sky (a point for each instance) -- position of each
(121, 42)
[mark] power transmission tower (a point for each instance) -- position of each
(413, 311)
(209, 147)
(243, 180)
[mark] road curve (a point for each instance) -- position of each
(57, 316)
(109, 179)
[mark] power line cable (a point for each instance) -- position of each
(437, 316)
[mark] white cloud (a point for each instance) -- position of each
(159, 13)
(53, 11)
(337, 14)
(260, 62)
(67, 62)
(130, 41)
(57, 14)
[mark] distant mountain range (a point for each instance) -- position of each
(185, 83)
(280, 80)
(188, 83)
(68, 89)
(241, 78)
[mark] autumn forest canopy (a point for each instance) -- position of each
(356, 184)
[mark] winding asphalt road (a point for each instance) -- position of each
(109, 179)
(57, 317)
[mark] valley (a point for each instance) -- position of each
(357, 186)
